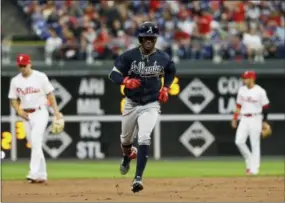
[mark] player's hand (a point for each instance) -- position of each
(163, 95)
(58, 115)
(234, 123)
(23, 114)
(131, 83)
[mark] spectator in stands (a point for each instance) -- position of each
(120, 39)
(73, 9)
(53, 47)
(271, 39)
(186, 23)
(88, 37)
(217, 36)
(204, 21)
(30, 9)
(254, 45)
(235, 50)
(116, 28)
(6, 48)
(183, 33)
(49, 9)
(100, 44)
(189, 29)
(70, 47)
(253, 11)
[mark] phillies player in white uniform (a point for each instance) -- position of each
(29, 91)
(252, 107)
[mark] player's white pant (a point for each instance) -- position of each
(35, 129)
(252, 127)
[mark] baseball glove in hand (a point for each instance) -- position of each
(266, 130)
(57, 125)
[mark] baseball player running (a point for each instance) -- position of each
(140, 70)
(252, 102)
(28, 94)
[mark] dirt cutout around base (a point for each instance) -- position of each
(244, 189)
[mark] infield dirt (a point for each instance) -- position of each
(244, 189)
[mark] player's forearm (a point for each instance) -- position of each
(169, 77)
(116, 77)
(265, 112)
(52, 101)
(236, 112)
(15, 104)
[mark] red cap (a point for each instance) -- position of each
(23, 59)
(249, 74)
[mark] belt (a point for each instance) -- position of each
(31, 110)
(141, 102)
(251, 114)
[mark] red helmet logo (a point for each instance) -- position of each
(23, 59)
(249, 74)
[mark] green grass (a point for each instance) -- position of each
(159, 169)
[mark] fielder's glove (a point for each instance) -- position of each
(57, 125)
(266, 130)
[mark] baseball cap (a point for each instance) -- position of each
(249, 74)
(23, 59)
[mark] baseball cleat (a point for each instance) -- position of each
(253, 173)
(248, 172)
(125, 167)
(38, 181)
(137, 185)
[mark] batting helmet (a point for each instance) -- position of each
(23, 59)
(148, 29)
(249, 74)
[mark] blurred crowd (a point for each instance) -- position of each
(206, 29)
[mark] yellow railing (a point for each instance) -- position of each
(28, 43)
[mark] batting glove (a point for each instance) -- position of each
(131, 83)
(163, 95)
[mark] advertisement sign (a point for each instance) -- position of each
(212, 138)
(195, 121)
(216, 94)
